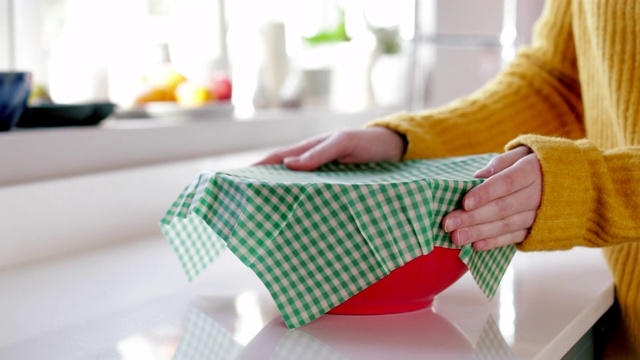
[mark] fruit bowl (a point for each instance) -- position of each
(410, 287)
(170, 110)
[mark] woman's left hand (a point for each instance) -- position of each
(501, 210)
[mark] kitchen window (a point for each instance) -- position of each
(405, 54)
(95, 50)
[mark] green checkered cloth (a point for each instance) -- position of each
(491, 344)
(298, 345)
(203, 338)
(317, 238)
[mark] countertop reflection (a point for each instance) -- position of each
(399, 336)
(133, 302)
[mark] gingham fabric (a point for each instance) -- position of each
(203, 338)
(298, 345)
(317, 238)
(491, 344)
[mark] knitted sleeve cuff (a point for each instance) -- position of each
(420, 144)
(561, 219)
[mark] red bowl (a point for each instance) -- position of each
(409, 287)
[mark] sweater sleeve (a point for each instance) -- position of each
(590, 197)
(537, 93)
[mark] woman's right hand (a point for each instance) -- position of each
(371, 144)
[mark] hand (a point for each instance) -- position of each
(501, 210)
(348, 146)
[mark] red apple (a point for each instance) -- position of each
(221, 87)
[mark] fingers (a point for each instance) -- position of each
(502, 161)
(332, 148)
(347, 146)
(522, 201)
(277, 157)
(502, 240)
(314, 152)
(512, 179)
(502, 209)
(490, 230)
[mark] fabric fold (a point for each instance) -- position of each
(368, 206)
(415, 205)
(266, 209)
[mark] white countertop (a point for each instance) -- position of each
(132, 301)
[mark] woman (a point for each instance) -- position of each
(567, 112)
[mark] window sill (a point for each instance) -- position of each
(45, 154)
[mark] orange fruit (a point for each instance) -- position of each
(155, 93)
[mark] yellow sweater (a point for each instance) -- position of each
(574, 98)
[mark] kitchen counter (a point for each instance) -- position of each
(132, 301)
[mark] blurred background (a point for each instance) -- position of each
(339, 55)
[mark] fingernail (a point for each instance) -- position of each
(469, 202)
(293, 160)
(451, 224)
(480, 245)
(463, 237)
(483, 173)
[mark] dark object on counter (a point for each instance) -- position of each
(14, 92)
(52, 115)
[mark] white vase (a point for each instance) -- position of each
(389, 80)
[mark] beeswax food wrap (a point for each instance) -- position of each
(317, 238)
